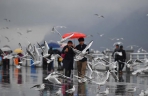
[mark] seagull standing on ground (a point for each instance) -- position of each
(142, 93)
(59, 92)
(72, 90)
(106, 92)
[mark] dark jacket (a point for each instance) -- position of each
(116, 56)
(68, 60)
(70, 54)
(81, 48)
(123, 57)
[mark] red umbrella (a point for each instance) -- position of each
(75, 36)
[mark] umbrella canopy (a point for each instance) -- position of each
(53, 45)
(18, 50)
(6, 49)
(75, 36)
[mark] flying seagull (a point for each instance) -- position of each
(29, 30)
(19, 33)
(99, 16)
(34, 56)
(39, 87)
(7, 39)
(100, 34)
(64, 39)
(81, 54)
(5, 19)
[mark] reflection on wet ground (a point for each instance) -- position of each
(17, 82)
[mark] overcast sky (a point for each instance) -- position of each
(123, 18)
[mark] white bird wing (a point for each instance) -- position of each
(36, 53)
(30, 47)
(58, 32)
(32, 56)
(76, 51)
(40, 47)
(87, 47)
(89, 71)
(68, 36)
(54, 80)
(77, 77)
(46, 48)
(107, 75)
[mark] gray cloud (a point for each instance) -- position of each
(121, 18)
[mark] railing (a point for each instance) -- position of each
(140, 56)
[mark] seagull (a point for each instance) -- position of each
(99, 16)
(18, 66)
(89, 35)
(19, 33)
(131, 90)
(146, 14)
(7, 27)
(20, 46)
(142, 93)
(39, 87)
(29, 30)
(60, 26)
(34, 56)
(146, 92)
(53, 56)
(131, 63)
(119, 43)
(5, 19)
(81, 54)
(64, 39)
(7, 39)
(131, 46)
(144, 50)
(106, 92)
(112, 39)
(81, 79)
(89, 72)
(45, 50)
(139, 50)
(72, 90)
(59, 92)
(54, 80)
(139, 71)
(104, 81)
(100, 34)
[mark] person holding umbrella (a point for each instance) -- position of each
(68, 58)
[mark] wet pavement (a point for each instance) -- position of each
(17, 82)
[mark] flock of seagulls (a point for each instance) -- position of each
(55, 78)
